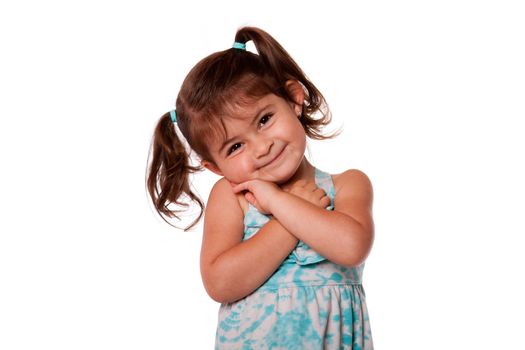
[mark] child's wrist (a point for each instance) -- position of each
(277, 200)
(292, 238)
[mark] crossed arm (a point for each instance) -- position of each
(231, 268)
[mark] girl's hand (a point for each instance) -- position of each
(310, 193)
(258, 193)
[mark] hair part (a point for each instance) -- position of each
(213, 88)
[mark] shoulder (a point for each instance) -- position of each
(223, 222)
(223, 226)
(222, 186)
(354, 196)
(222, 195)
(354, 181)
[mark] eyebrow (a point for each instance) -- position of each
(254, 118)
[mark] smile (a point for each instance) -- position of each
(276, 158)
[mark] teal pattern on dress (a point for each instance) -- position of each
(308, 303)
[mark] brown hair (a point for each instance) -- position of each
(213, 87)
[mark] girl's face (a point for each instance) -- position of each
(265, 141)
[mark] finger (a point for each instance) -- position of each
(250, 198)
(320, 192)
(253, 201)
(325, 201)
(241, 187)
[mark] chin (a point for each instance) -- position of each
(285, 175)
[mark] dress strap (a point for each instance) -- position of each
(324, 181)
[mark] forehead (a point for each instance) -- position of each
(245, 111)
(247, 107)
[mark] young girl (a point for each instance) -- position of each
(284, 243)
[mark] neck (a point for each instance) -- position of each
(306, 171)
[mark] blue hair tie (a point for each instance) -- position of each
(239, 46)
(173, 115)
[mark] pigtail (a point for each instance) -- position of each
(282, 67)
(167, 178)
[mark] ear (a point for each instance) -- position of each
(296, 91)
(211, 167)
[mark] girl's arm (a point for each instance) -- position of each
(344, 235)
(231, 268)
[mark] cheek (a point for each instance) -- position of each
(299, 134)
(290, 127)
(302, 142)
(239, 172)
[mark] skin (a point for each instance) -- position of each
(264, 164)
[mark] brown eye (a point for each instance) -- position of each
(265, 118)
(233, 148)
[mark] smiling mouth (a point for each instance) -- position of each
(274, 158)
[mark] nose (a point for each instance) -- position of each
(262, 147)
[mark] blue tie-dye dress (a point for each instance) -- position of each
(308, 303)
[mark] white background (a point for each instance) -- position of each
(431, 98)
